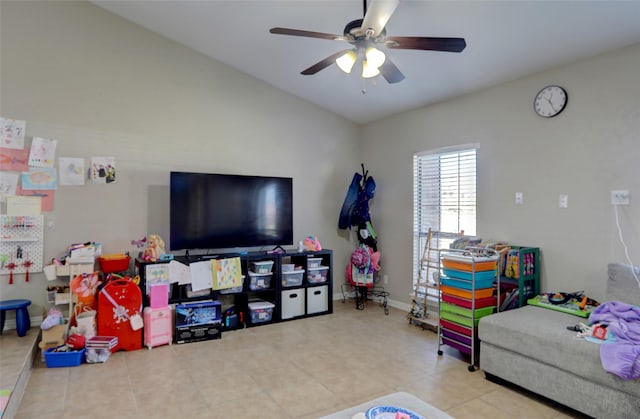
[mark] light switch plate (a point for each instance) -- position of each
(564, 201)
(519, 198)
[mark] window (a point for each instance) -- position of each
(444, 195)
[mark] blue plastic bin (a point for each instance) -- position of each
(63, 359)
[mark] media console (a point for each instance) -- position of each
(292, 299)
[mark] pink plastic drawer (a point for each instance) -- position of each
(455, 327)
(480, 302)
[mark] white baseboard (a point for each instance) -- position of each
(10, 324)
(390, 302)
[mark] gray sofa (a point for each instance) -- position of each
(532, 348)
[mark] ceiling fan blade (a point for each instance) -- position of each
(378, 14)
(390, 72)
(426, 43)
(307, 34)
(321, 65)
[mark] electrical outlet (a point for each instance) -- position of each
(385, 279)
(519, 198)
(620, 197)
(564, 201)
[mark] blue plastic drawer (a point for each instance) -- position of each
(461, 283)
(482, 275)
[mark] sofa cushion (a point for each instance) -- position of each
(542, 334)
(621, 284)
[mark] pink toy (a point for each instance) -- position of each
(158, 326)
(312, 243)
(159, 295)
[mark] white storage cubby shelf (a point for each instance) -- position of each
(64, 274)
(304, 290)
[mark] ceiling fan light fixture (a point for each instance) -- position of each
(346, 61)
(375, 57)
(369, 70)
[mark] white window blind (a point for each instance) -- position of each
(444, 195)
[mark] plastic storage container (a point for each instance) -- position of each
(462, 311)
(317, 275)
(477, 276)
(260, 311)
(262, 267)
(259, 281)
(292, 279)
(114, 263)
(233, 290)
(63, 359)
(314, 263)
(463, 284)
(479, 302)
(455, 327)
(288, 267)
(469, 263)
(479, 293)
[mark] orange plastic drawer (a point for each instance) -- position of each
(466, 266)
(467, 262)
(457, 292)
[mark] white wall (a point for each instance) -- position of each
(102, 86)
(589, 149)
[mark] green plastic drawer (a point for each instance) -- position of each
(467, 312)
(465, 321)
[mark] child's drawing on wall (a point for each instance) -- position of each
(40, 178)
(43, 152)
(103, 169)
(12, 133)
(71, 171)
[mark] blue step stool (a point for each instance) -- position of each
(23, 322)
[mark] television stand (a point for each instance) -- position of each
(295, 295)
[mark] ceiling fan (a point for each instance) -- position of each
(365, 35)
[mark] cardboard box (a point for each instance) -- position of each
(198, 321)
(55, 336)
(197, 333)
(52, 338)
(199, 312)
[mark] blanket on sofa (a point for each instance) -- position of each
(621, 357)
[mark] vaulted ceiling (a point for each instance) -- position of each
(505, 40)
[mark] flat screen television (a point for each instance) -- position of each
(216, 211)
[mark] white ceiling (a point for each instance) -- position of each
(506, 40)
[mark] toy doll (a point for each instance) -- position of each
(155, 248)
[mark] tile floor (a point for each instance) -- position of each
(298, 369)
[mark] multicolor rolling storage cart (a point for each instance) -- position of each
(467, 293)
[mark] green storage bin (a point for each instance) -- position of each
(465, 321)
(467, 312)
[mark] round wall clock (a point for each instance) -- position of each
(550, 101)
